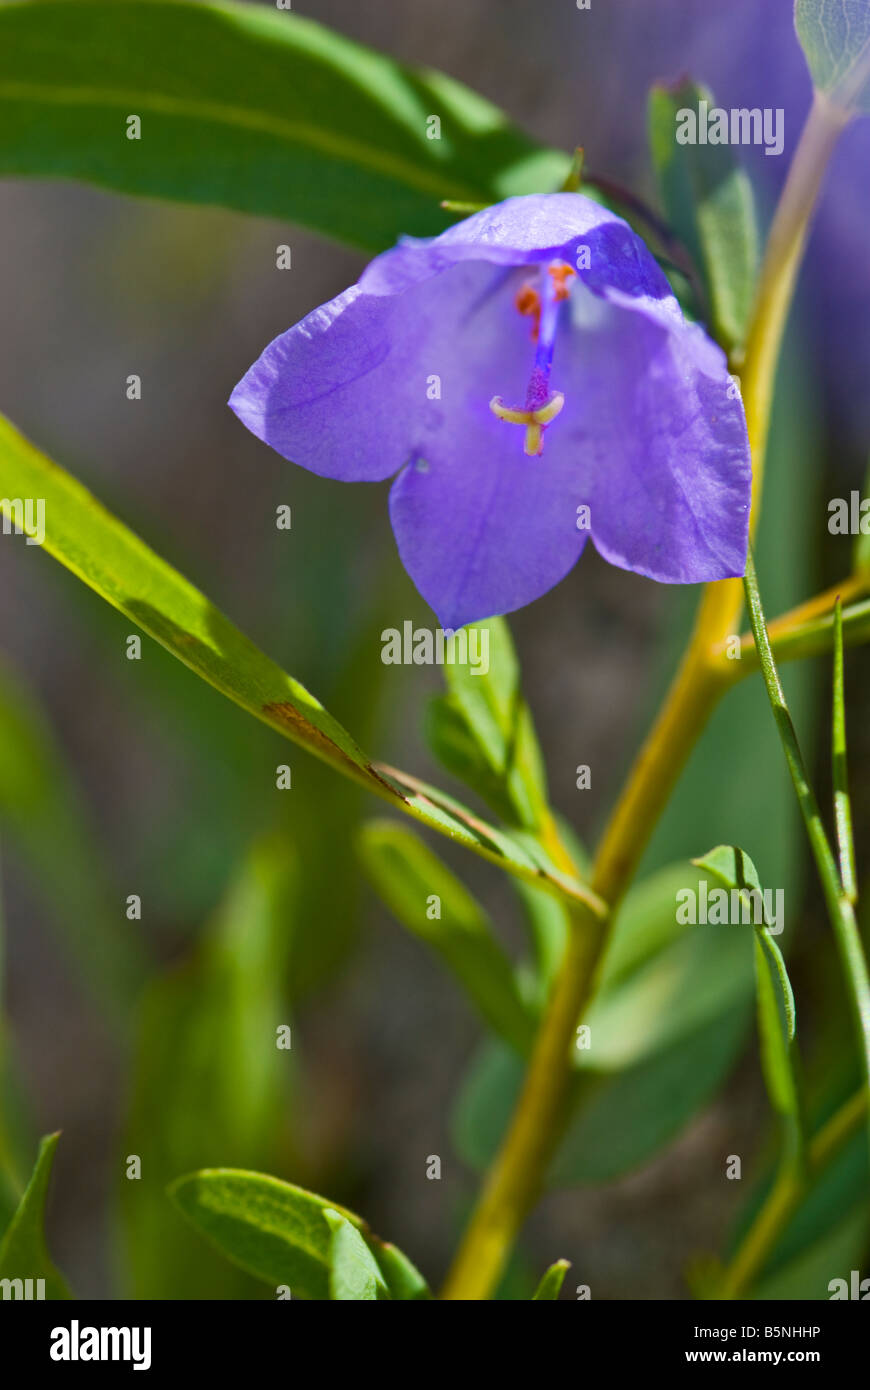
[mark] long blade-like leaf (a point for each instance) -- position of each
(114, 562)
(249, 108)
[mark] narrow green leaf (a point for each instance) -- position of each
(122, 570)
(840, 910)
(23, 1252)
(353, 1272)
(707, 199)
(482, 730)
(432, 903)
(842, 802)
(777, 1027)
(274, 115)
(517, 853)
(117, 565)
(551, 1284)
(835, 37)
(277, 1232)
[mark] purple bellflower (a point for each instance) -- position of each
(530, 380)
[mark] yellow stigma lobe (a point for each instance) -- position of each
(534, 420)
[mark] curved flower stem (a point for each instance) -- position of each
(784, 1197)
(514, 1182)
(782, 257)
(517, 1175)
(784, 250)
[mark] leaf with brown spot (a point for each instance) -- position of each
(117, 565)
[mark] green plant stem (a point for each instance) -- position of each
(792, 639)
(517, 1174)
(784, 1197)
(808, 629)
(842, 802)
(840, 909)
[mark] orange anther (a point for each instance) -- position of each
(528, 302)
(560, 272)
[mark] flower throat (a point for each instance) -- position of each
(542, 405)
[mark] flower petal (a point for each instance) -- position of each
(535, 228)
(346, 392)
(399, 370)
(659, 437)
(488, 539)
(318, 393)
(366, 382)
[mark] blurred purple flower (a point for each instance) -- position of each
(408, 373)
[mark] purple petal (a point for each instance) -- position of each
(326, 393)
(367, 382)
(486, 539)
(659, 439)
(536, 228)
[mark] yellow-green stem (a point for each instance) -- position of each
(513, 1183)
(517, 1174)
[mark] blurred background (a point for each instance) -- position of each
(123, 777)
